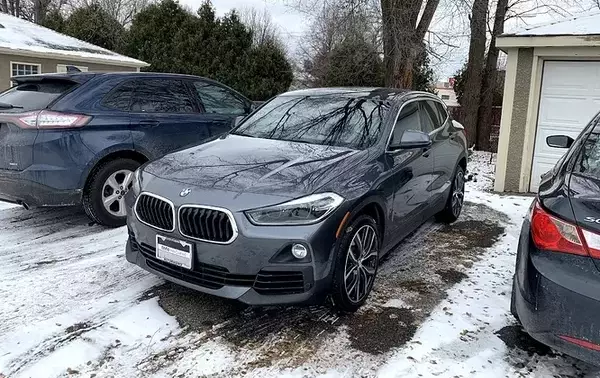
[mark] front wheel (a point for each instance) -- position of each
(455, 201)
(357, 260)
(104, 196)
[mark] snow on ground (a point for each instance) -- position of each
(72, 306)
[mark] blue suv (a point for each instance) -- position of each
(77, 138)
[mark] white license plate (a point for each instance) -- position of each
(174, 251)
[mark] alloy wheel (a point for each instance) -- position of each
(114, 190)
(458, 193)
(361, 263)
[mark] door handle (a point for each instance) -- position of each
(149, 123)
(426, 151)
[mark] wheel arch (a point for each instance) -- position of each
(374, 207)
(110, 156)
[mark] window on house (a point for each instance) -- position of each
(445, 97)
(20, 69)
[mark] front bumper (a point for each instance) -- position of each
(22, 188)
(558, 295)
(255, 268)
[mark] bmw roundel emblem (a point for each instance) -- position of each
(185, 192)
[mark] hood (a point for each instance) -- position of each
(252, 165)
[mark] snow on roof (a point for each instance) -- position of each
(588, 24)
(24, 36)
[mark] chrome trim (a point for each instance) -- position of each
(160, 198)
(425, 98)
(221, 209)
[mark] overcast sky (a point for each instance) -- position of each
(293, 23)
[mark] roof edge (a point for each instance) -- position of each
(36, 54)
(566, 40)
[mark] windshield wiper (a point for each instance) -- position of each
(4, 105)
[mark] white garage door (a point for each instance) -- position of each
(570, 97)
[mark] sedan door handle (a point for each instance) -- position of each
(149, 123)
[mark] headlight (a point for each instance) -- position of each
(306, 210)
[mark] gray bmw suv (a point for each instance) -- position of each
(302, 199)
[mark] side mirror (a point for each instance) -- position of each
(411, 139)
(559, 141)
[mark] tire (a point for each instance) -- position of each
(452, 209)
(99, 189)
(349, 295)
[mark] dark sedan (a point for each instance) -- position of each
(76, 138)
(556, 287)
(302, 199)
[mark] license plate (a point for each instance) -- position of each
(174, 251)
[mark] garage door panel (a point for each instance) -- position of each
(563, 111)
(570, 97)
(542, 166)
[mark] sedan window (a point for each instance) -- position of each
(336, 120)
(589, 159)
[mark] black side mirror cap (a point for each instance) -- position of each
(559, 141)
(411, 139)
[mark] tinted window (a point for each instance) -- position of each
(120, 97)
(162, 96)
(35, 96)
(588, 161)
(430, 119)
(337, 120)
(219, 100)
(407, 120)
(441, 111)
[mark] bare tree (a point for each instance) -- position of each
(122, 10)
(472, 91)
(490, 75)
(403, 34)
(264, 30)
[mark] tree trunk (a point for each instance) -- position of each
(403, 35)
(490, 80)
(472, 91)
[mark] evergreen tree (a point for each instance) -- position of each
(172, 39)
(94, 25)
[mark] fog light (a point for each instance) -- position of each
(299, 251)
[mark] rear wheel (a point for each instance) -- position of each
(104, 196)
(357, 260)
(455, 201)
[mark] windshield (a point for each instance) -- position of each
(35, 95)
(337, 120)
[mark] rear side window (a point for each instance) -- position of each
(162, 96)
(219, 100)
(120, 97)
(431, 118)
(441, 111)
(35, 95)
